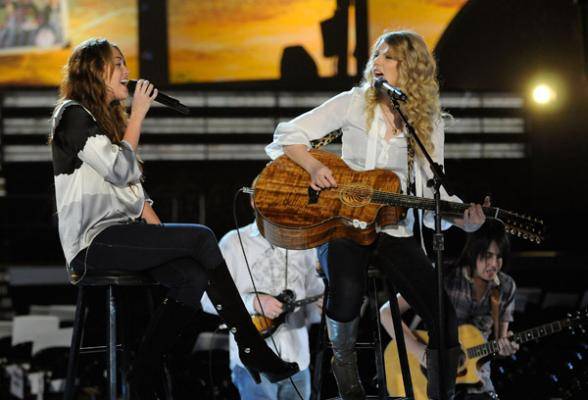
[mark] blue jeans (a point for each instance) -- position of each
(266, 390)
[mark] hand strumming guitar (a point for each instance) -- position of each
(271, 306)
(321, 176)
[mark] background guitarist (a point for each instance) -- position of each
(274, 269)
(470, 285)
(373, 137)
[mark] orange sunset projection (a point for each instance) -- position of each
(427, 17)
(116, 21)
(231, 40)
(222, 40)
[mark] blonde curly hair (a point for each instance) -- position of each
(417, 77)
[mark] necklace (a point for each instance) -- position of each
(391, 124)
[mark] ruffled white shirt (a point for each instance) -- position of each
(268, 267)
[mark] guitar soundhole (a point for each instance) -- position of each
(355, 195)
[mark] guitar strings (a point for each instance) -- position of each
(381, 197)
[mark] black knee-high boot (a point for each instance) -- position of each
(253, 350)
(344, 362)
(166, 324)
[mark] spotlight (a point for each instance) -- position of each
(543, 94)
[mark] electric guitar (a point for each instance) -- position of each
(267, 326)
(477, 351)
(291, 215)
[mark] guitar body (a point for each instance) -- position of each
(290, 216)
(418, 377)
(469, 336)
(267, 326)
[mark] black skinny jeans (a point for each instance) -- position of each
(175, 255)
(404, 264)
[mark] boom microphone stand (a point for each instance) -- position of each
(438, 239)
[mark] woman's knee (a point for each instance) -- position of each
(205, 246)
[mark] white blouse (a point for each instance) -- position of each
(365, 149)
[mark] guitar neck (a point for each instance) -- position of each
(306, 301)
(447, 207)
(538, 332)
(520, 225)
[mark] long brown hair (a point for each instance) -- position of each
(417, 77)
(84, 81)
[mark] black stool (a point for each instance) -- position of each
(375, 345)
(107, 280)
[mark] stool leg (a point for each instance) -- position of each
(111, 332)
(399, 333)
(74, 349)
(379, 355)
(124, 329)
(317, 381)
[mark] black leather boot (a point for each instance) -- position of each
(449, 372)
(146, 374)
(253, 350)
(344, 362)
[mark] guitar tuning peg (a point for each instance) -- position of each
(525, 236)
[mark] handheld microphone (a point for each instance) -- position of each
(393, 92)
(162, 99)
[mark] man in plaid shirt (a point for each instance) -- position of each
(469, 286)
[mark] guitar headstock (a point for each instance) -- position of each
(578, 321)
(523, 226)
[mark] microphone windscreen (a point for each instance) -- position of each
(131, 85)
(377, 84)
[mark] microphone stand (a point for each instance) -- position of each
(438, 180)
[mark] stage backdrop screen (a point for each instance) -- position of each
(37, 36)
(236, 40)
(209, 40)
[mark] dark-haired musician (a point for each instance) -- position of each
(470, 285)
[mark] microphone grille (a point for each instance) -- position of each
(131, 85)
(379, 82)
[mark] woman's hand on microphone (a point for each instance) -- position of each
(143, 97)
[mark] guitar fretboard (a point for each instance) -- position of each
(521, 337)
(397, 199)
(516, 224)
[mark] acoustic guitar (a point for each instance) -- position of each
(267, 326)
(477, 351)
(290, 214)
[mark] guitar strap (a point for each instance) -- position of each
(495, 305)
(410, 178)
(286, 271)
(327, 139)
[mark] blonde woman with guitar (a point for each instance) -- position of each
(374, 137)
(475, 286)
